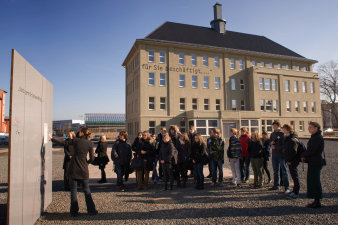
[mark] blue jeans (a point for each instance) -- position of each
(245, 168)
(198, 167)
(155, 176)
(74, 206)
(277, 163)
(120, 171)
(214, 165)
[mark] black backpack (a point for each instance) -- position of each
(300, 149)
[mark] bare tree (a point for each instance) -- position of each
(328, 73)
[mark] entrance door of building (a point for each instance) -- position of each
(226, 129)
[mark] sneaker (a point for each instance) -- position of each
(269, 181)
(122, 189)
(292, 195)
(274, 188)
(288, 191)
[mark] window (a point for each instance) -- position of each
(218, 104)
(206, 104)
(268, 105)
(233, 84)
(304, 69)
(287, 85)
(232, 63)
(292, 123)
(182, 126)
(162, 79)
(271, 65)
(253, 63)
(261, 102)
(242, 105)
(193, 60)
(204, 126)
(162, 103)
(305, 106)
(152, 127)
(241, 85)
(304, 87)
(301, 125)
(233, 105)
(205, 82)
(262, 64)
(287, 67)
(296, 106)
(151, 79)
(216, 60)
(288, 109)
(163, 123)
(151, 56)
(181, 59)
(267, 84)
(182, 103)
(297, 68)
(252, 125)
(313, 107)
(194, 81)
(162, 57)
(217, 82)
(267, 125)
(205, 61)
(312, 88)
(273, 84)
(295, 86)
(261, 84)
(194, 103)
(274, 105)
(182, 80)
(151, 103)
(240, 64)
(279, 66)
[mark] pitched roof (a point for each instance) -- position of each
(183, 33)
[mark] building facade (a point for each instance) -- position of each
(61, 127)
(210, 77)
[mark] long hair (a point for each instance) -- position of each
(234, 131)
(185, 137)
(255, 136)
(200, 138)
(147, 135)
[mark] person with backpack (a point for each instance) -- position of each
(245, 159)
(290, 152)
(198, 150)
(216, 154)
(165, 158)
(121, 155)
(313, 156)
(278, 159)
(255, 150)
(234, 153)
(266, 154)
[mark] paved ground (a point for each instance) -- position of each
(222, 205)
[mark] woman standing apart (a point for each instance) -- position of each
(102, 157)
(234, 153)
(197, 154)
(313, 156)
(69, 151)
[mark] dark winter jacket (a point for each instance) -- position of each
(121, 153)
(290, 148)
(255, 149)
(150, 154)
(69, 151)
(101, 151)
(184, 153)
(278, 138)
(234, 149)
(266, 149)
(197, 152)
(315, 148)
(166, 152)
(216, 149)
(136, 146)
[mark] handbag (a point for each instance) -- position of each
(136, 163)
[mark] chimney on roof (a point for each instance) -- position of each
(218, 24)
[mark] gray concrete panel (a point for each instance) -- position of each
(30, 156)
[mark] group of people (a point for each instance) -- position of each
(171, 155)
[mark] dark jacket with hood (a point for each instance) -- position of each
(290, 148)
(278, 138)
(315, 148)
(101, 151)
(255, 149)
(166, 152)
(197, 152)
(121, 153)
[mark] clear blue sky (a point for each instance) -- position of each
(79, 45)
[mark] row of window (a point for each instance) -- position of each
(194, 104)
(267, 125)
(297, 106)
(296, 86)
(181, 60)
(269, 105)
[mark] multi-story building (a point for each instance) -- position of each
(210, 77)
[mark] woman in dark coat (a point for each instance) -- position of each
(78, 171)
(313, 156)
(198, 149)
(266, 154)
(102, 157)
(69, 151)
(255, 150)
(184, 162)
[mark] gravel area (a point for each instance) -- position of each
(220, 205)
